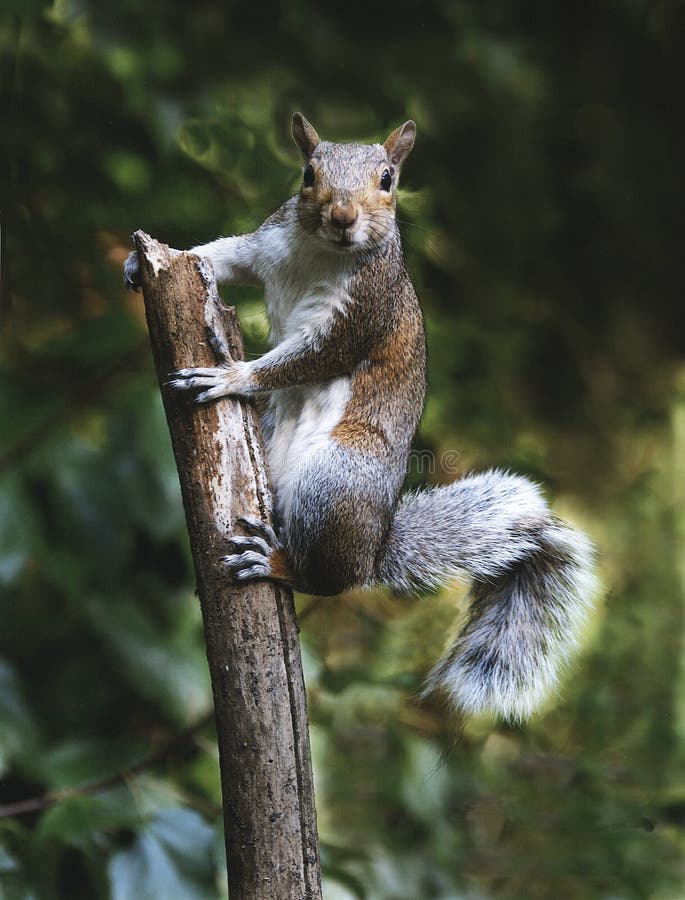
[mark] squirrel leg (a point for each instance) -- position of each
(334, 512)
(258, 555)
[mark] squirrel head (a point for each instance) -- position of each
(347, 198)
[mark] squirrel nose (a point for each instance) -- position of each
(343, 214)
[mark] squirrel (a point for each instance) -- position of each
(345, 381)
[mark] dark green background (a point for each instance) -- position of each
(542, 213)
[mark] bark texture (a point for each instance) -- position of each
(251, 631)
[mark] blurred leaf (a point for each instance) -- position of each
(7, 862)
(129, 171)
(90, 344)
(14, 884)
(18, 529)
(18, 729)
(162, 666)
(425, 784)
(171, 858)
(75, 762)
(79, 821)
(30, 409)
(187, 837)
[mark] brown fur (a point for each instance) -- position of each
(281, 569)
(393, 376)
(388, 388)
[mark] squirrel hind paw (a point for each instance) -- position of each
(256, 527)
(258, 555)
(248, 565)
(257, 544)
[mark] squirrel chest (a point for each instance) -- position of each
(304, 290)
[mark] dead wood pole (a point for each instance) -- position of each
(251, 631)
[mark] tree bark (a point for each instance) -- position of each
(250, 630)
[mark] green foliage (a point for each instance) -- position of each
(172, 857)
(541, 213)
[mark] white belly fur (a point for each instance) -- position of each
(306, 286)
(302, 421)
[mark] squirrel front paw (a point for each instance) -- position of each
(232, 379)
(132, 272)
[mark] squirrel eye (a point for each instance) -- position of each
(308, 177)
(386, 180)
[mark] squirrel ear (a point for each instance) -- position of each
(304, 135)
(399, 143)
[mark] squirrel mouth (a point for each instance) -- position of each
(341, 238)
(340, 241)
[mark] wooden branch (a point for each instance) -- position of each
(251, 632)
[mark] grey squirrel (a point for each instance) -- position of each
(346, 380)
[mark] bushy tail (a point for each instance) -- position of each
(533, 586)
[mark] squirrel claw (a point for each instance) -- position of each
(254, 552)
(248, 565)
(217, 341)
(250, 543)
(261, 529)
